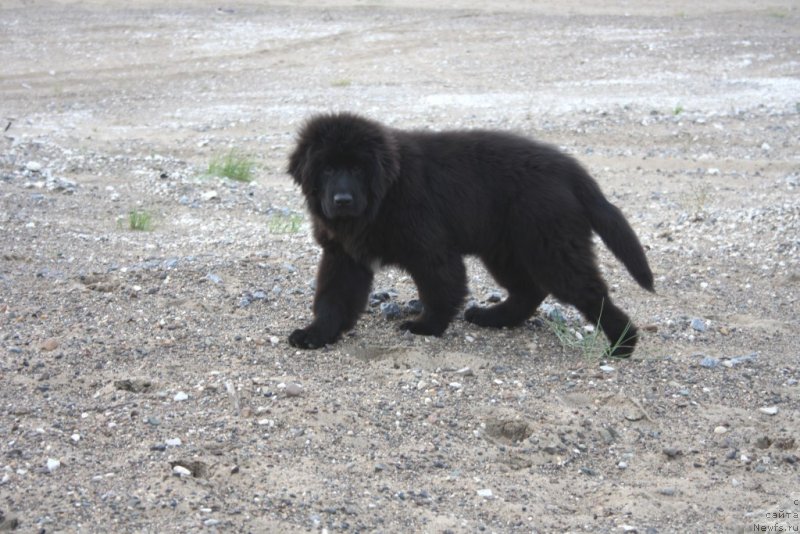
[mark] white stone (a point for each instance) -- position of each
(181, 471)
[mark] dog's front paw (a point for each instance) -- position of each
(422, 328)
(306, 338)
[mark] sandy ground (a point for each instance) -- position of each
(146, 384)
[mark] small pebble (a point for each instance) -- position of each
(609, 435)
(173, 442)
(607, 368)
(53, 464)
(486, 493)
(390, 310)
(709, 363)
(763, 442)
(379, 296)
(769, 410)
(672, 452)
(739, 360)
(75, 438)
(181, 471)
(720, 430)
(669, 492)
(214, 278)
(50, 344)
(698, 325)
(293, 390)
(622, 465)
(180, 396)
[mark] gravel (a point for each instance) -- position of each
(146, 377)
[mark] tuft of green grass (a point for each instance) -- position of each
(344, 82)
(140, 220)
(233, 165)
(698, 201)
(285, 223)
(589, 340)
(678, 110)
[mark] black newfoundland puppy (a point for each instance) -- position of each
(422, 200)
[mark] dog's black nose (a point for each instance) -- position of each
(342, 199)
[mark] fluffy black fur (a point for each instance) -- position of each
(422, 200)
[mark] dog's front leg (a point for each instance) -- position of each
(343, 286)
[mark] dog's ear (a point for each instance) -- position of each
(298, 161)
(385, 165)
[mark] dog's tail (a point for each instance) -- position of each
(612, 227)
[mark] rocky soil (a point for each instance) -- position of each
(146, 384)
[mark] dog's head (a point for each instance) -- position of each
(345, 165)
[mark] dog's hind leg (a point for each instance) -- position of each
(524, 295)
(598, 308)
(442, 286)
(572, 276)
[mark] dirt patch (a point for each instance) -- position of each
(145, 379)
